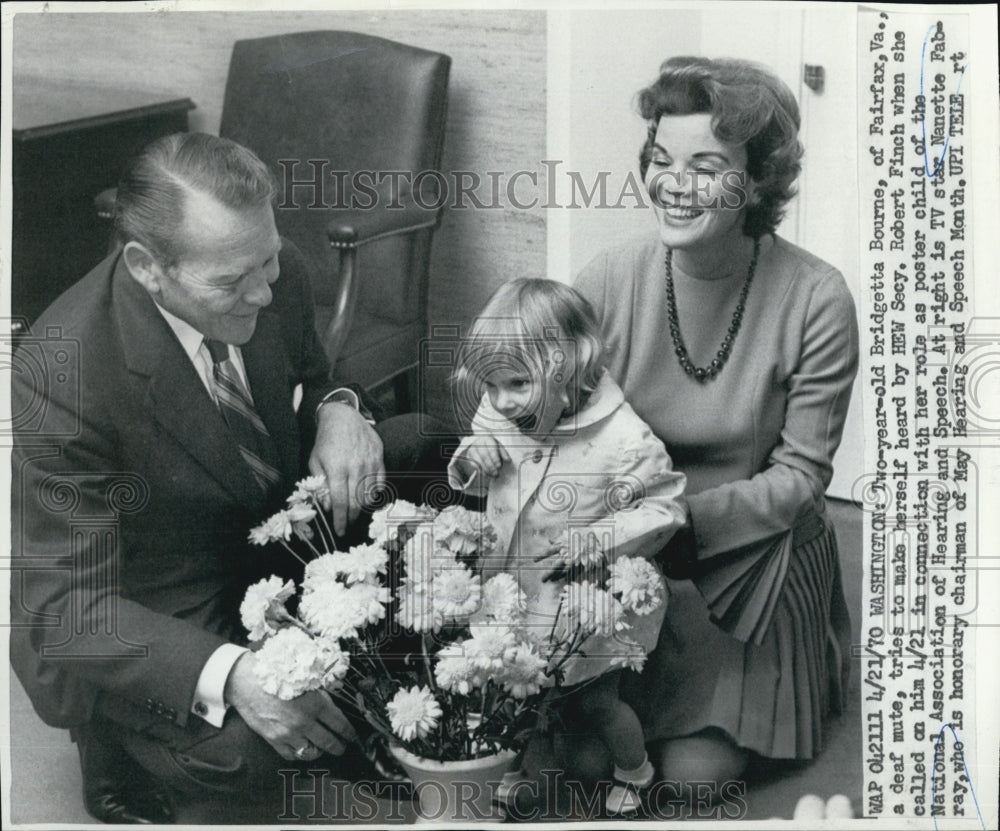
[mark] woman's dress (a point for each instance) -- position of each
(756, 444)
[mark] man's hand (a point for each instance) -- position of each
(287, 725)
(479, 454)
(348, 452)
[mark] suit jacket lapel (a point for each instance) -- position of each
(175, 394)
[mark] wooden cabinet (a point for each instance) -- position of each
(68, 144)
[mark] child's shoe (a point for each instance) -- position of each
(625, 798)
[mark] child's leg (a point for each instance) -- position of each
(615, 722)
(619, 727)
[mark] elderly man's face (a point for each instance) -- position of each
(224, 278)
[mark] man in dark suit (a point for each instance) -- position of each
(134, 490)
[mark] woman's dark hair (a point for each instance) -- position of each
(750, 106)
(149, 207)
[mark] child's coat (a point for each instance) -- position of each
(601, 469)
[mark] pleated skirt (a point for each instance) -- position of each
(770, 699)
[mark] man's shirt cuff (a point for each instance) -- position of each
(209, 694)
(345, 395)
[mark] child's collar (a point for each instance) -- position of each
(603, 401)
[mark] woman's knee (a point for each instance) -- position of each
(707, 758)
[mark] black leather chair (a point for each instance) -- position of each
(341, 111)
(341, 106)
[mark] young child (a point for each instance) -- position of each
(555, 444)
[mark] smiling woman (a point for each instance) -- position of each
(750, 406)
(698, 183)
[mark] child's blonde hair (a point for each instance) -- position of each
(529, 325)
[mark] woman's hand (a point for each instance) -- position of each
(479, 454)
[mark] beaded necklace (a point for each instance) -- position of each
(704, 373)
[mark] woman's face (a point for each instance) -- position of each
(699, 184)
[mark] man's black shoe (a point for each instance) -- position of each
(115, 789)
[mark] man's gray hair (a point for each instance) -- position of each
(154, 188)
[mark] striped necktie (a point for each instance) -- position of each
(237, 409)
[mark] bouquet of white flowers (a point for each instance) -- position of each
(407, 627)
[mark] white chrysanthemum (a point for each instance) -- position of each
(417, 611)
(321, 573)
(463, 532)
(453, 670)
(413, 713)
(490, 647)
(422, 559)
(636, 582)
(362, 564)
(326, 613)
(338, 611)
(291, 663)
(264, 604)
(523, 674)
(312, 490)
(274, 528)
(578, 547)
(369, 599)
(592, 609)
(384, 526)
(456, 592)
(502, 600)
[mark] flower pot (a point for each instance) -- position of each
(459, 792)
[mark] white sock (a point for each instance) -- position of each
(640, 776)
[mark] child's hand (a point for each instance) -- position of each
(482, 453)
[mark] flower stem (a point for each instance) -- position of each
(328, 538)
(292, 552)
(427, 661)
(312, 547)
(373, 656)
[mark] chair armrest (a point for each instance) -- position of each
(347, 233)
(359, 227)
(104, 203)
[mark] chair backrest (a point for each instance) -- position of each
(362, 103)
